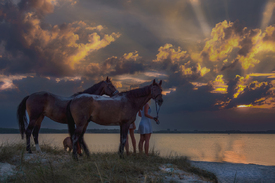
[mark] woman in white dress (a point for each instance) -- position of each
(145, 128)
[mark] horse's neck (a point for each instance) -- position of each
(98, 91)
(141, 101)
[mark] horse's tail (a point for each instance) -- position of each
(21, 116)
(70, 119)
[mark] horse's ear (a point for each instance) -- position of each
(107, 79)
(160, 82)
(154, 81)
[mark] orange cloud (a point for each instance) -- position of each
(168, 52)
(228, 36)
(241, 85)
(165, 92)
(221, 43)
(201, 71)
(131, 56)
(7, 81)
(218, 85)
(72, 50)
(95, 43)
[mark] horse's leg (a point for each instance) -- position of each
(28, 134)
(75, 138)
(123, 137)
(82, 142)
(36, 131)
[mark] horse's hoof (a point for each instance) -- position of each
(29, 150)
(80, 154)
(75, 157)
(121, 156)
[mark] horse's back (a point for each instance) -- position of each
(48, 104)
(101, 110)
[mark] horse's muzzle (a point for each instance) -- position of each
(160, 101)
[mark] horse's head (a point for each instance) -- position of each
(156, 92)
(108, 88)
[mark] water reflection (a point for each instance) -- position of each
(234, 154)
(235, 148)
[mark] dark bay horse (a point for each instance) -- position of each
(117, 110)
(41, 104)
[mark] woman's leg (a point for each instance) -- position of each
(132, 135)
(140, 144)
(146, 146)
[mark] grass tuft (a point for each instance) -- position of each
(56, 165)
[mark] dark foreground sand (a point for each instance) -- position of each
(241, 173)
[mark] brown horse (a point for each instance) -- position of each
(41, 104)
(117, 110)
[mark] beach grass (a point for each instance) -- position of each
(56, 165)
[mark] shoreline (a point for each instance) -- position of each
(237, 172)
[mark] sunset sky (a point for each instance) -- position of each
(216, 57)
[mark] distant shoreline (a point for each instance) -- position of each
(49, 130)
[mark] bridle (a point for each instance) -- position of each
(108, 86)
(157, 108)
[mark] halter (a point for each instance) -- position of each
(157, 109)
(115, 92)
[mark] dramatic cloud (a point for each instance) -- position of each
(213, 57)
(33, 46)
(241, 91)
(229, 37)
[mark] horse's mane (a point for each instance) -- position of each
(90, 90)
(140, 92)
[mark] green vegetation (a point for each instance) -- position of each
(56, 165)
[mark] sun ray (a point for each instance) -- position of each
(200, 16)
(267, 14)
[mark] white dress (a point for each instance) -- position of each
(145, 126)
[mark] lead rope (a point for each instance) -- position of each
(157, 110)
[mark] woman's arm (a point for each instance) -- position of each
(146, 108)
(139, 113)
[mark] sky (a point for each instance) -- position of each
(216, 57)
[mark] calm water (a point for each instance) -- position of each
(235, 148)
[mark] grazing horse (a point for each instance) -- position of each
(117, 110)
(41, 104)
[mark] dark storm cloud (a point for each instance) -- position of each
(185, 98)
